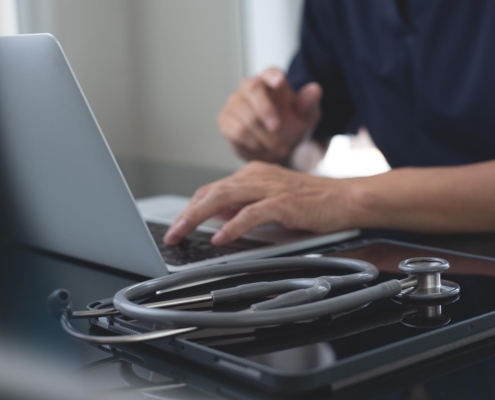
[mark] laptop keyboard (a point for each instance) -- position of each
(197, 246)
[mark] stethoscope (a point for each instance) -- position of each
(419, 315)
(298, 299)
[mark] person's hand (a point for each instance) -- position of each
(265, 119)
(264, 193)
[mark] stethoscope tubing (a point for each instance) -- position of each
(364, 272)
(182, 321)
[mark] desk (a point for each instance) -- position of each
(28, 334)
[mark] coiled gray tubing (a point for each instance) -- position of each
(364, 273)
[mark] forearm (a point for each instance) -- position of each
(447, 199)
(452, 199)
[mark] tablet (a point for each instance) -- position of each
(449, 376)
(342, 350)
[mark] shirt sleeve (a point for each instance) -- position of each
(316, 61)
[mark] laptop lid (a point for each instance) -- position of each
(69, 194)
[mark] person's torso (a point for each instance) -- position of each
(423, 85)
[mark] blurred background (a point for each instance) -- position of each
(157, 72)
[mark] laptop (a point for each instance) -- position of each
(69, 194)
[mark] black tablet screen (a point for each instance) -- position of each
(322, 342)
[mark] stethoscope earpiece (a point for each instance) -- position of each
(59, 302)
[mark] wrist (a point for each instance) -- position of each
(379, 200)
(360, 199)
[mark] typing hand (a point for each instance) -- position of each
(265, 119)
(266, 193)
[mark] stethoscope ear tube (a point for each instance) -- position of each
(279, 316)
(140, 337)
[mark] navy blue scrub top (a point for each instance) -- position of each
(422, 81)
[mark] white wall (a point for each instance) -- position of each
(8, 18)
(95, 36)
(188, 61)
(157, 72)
(270, 33)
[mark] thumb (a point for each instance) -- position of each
(308, 100)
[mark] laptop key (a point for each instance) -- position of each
(197, 246)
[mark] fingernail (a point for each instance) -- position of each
(271, 123)
(175, 229)
(275, 78)
(218, 238)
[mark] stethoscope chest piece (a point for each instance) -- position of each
(429, 286)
